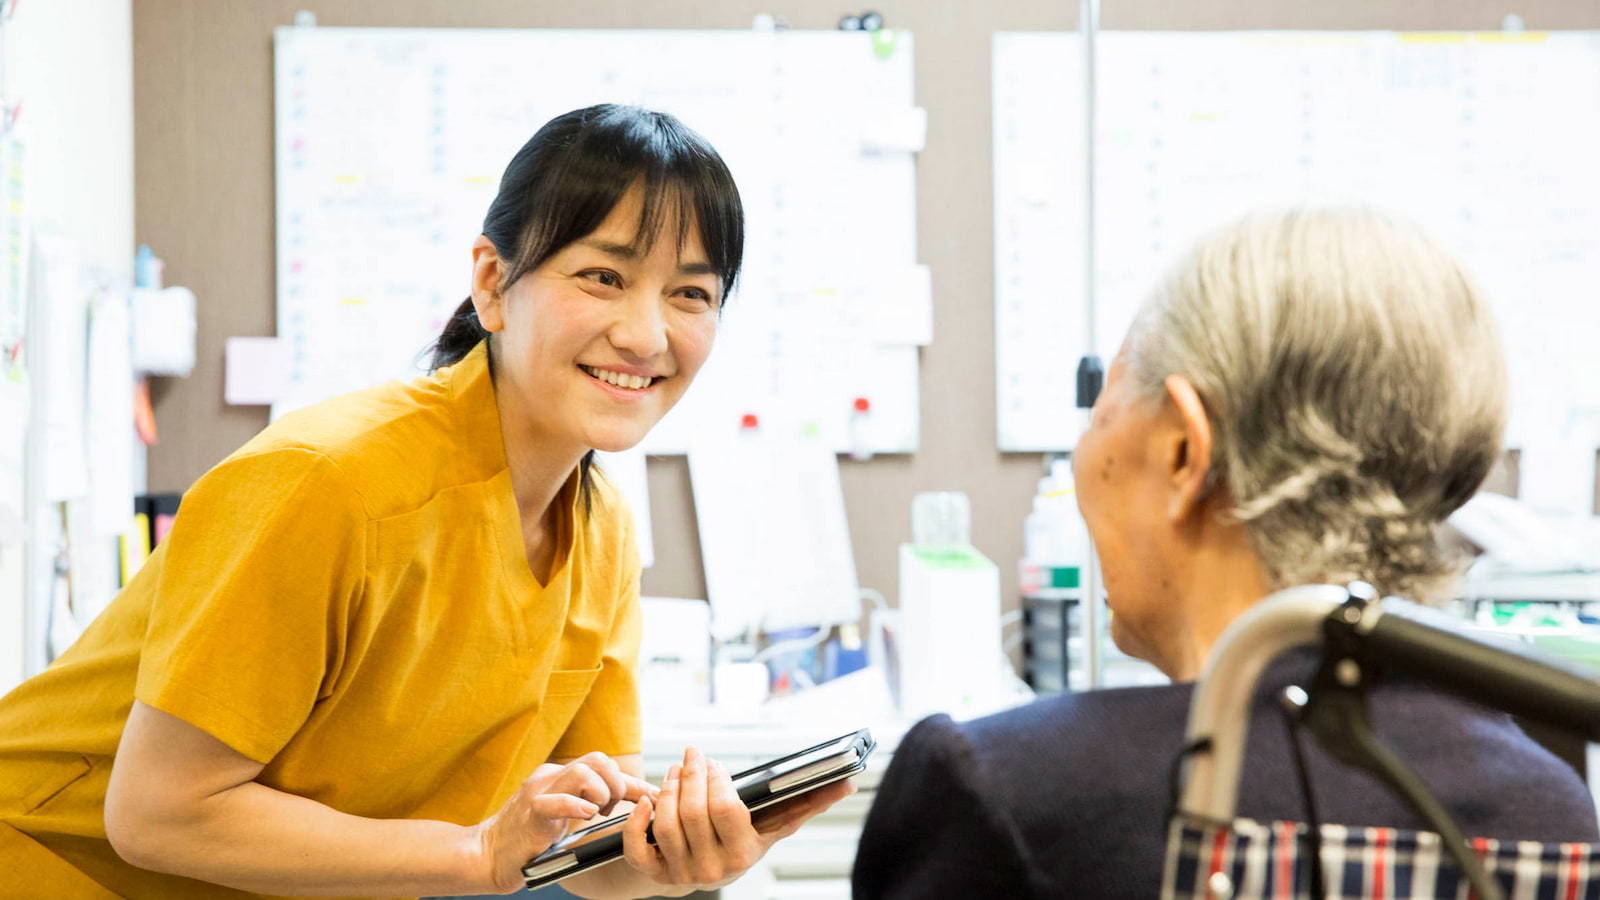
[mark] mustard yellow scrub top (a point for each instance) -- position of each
(346, 600)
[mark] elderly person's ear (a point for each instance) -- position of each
(1189, 456)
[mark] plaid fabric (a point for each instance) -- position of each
(1248, 859)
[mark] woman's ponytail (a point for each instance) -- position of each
(460, 335)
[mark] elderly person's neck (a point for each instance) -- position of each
(1215, 575)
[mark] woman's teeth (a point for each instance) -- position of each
(619, 379)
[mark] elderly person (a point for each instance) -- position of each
(1305, 399)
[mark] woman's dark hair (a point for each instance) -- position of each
(567, 178)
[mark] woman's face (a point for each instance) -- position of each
(599, 342)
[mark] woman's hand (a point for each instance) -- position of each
(548, 803)
(705, 836)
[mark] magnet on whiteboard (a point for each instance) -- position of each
(860, 436)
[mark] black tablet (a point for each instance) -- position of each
(758, 787)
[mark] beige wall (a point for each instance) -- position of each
(203, 132)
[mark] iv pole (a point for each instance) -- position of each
(1091, 373)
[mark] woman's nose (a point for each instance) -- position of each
(640, 329)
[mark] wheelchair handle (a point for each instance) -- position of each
(1393, 635)
(1503, 677)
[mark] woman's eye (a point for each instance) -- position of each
(609, 279)
(697, 294)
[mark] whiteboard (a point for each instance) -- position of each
(1488, 140)
(389, 148)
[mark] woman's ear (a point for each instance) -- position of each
(1191, 464)
(487, 270)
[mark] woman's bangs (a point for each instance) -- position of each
(685, 201)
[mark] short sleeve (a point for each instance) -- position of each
(608, 720)
(262, 568)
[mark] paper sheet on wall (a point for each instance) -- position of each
(14, 396)
(14, 386)
(62, 331)
(1487, 140)
(13, 665)
(256, 371)
(164, 323)
(773, 534)
(95, 562)
(13, 436)
(390, 143)
(627, 470)
(109, 420)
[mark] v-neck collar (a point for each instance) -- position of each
(482, 450)
(512, 544)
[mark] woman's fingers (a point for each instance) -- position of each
(580, 780)
(542, 776)
(529, 822)
(704, 834)
(694, 816)
(668, 832)
(562, 806)
(636, 846)
(709, 836)
(728, 813)
(638, 787)
(593, 776)
(619, 784)
(731, 819)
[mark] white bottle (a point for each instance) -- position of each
(1071, 538)
(1054, 540)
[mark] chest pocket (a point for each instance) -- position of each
(564, 693)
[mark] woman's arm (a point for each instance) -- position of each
(183, 802)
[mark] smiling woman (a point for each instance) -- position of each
(388, 647)
(590, 197)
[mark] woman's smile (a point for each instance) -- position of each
(621, 384)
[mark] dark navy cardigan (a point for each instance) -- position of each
(1066, 797)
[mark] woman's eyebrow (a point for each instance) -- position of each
(620, 251)
(632, 253)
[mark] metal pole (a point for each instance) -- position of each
(1089, 24)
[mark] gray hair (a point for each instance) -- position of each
(1355, 384)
